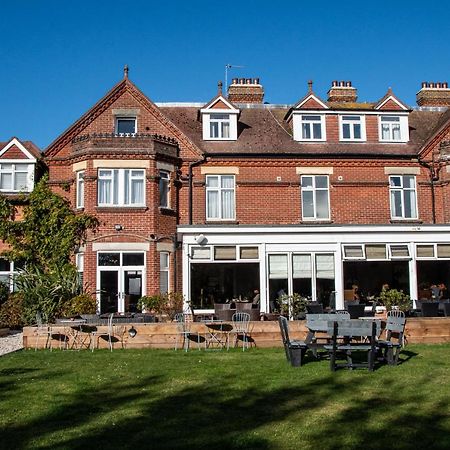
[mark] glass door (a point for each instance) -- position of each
(120, 280)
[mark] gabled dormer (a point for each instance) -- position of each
(17, 166)
(219, 118)
(392, 119)
(308, 121)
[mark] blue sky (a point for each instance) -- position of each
(60, 57)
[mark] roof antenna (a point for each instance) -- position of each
(227, 67)
(125, 71)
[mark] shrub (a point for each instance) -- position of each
(81, 304)
(170, 304)
(151, 303)
(394, 297)
(11, 312)
(293, 305)
(4, 292)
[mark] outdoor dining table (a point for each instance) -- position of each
(218, 333)
(76, 332)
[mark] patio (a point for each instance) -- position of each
(264, 333)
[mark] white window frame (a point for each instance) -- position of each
(344, 120)
(220, 190)
(164, 269)
(403, 191)
(402, 123)
(352, 258)
(304, 119)
(120, 180)
(129, 118)
(391, 256)
(314, 190)
(208, 118)
(29, 170)
(80, 189)
(164, 180)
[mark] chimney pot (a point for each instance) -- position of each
(334, 83)
(234, 81)
(424, 84)
(241, 80)
(445, 85)
(349, 84)
(256, 80)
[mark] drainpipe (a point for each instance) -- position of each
(191, 185)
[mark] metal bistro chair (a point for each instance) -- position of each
(343, 314)
(42, 330)
(314, 308)
(395, 328)
(240, 322)
(295, 350)
(111, 335)
(184, 331)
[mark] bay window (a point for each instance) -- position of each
(121, 187)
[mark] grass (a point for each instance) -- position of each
(156, 399)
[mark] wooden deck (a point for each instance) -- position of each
(263, 334)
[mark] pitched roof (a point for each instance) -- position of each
(124, 85)
(29, 145)
(263, 131)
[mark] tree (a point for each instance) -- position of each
(49, 233)
(45, 241)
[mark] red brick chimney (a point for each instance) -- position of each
(245, 90)
(433, 94)
(342, 91)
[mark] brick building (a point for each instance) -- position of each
(19, 167)
(218, 200)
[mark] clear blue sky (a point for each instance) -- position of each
(59, 57)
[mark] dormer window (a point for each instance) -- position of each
(16, 177)
(393, 128)
(125, 126)
(219, 126)
(313, 127)
(352, 128)
(219, 118)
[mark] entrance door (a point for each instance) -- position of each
(120, 276)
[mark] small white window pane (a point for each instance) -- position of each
(357, 131)
(317, 131)
(226, 130)
(137, 191)
(395, 181)
(443, 250)
(322, 204)
(212, 182)
(213, 204)
(346, 131)
(227, 204)
(278, 266)
(301, 266)
(385, 135)
(6, 181)
(224, 253)
(353, 251)
(425, 251)
(214, 129)
(249, 253)
(306, 131)
(227, 181)
(201, 253)
(376, 251)
(325, 267)
(396, 198)
(321, 182)
(126, 125)
(307, 204)
(307, 182)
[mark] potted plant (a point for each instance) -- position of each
(293, 306)
(395, 299)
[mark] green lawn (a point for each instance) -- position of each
(143, 399)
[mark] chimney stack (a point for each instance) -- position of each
(245, 90)
(433, 94)
(342, 91)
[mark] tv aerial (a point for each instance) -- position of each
(227, 68)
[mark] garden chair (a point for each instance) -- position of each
(240, 322)
(355, 310)
(295, 350)
(395, 313)
(114, 334)
(42, 330)
(391, 346)
(343, 313)
(184, 332)
(447, 309)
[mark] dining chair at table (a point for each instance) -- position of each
(184, 332)
(113, 334)
(430, 309)
(314, 308)
(42, 329)
(356, 310)
(294, 349)
(343, 313)
(240, 322)
(391, 346)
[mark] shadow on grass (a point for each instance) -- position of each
(212, 413)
